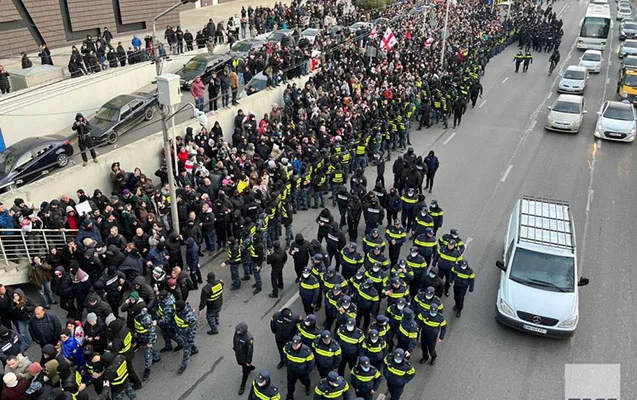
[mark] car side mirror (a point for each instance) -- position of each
(583, 281)
(599, 113)
(500, 265)
(584, 112)
(549, 107)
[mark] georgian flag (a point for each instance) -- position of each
(388, 40)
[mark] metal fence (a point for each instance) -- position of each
(18, 248)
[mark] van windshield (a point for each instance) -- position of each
(544, 271)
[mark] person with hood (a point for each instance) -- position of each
(173, 245)
(336, 241)
(21, 309)
(64, 289)
(146, 292)
(277, 259)
(94, 304)
(11, 343)
(243, 346)
(300, 252)
(133, 264)
(324, 221)
(354, 212)
(88, 230)
(432, 163)
(95, 332)
(121, 342)
(192, 259)
(212, 300)
(85, 141)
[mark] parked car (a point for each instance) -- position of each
(243, 47)
(573, 80)
(121, 114)
(623, 12)
(567, 113)
(361, 24)
(203, 65)
(616, 121)
(628, 30)
(258, 83)
(592, 60)
(628, 48)
(310, 34)
(285, 37)
(31, 158)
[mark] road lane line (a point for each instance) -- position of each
(468, 242)
(505, 79)
(506, 173)
(483, 103)
(599, 143)
(449, 138)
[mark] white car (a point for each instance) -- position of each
(310, 34)
(628, 48)
(573, 80)
(566, 114)
(591, 60)
(539, 282)
(623, 12)
(616, 121)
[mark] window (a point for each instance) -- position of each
(507, 256)
(24, 159)
(135, 104)
(545, 271)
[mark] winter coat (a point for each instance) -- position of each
(40, 274)
(277, 259)
(192, 254)
(46, 330)
(243, 344)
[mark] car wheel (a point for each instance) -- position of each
(63, 160)
(112, 137)
(149, 113)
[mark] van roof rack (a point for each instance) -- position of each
(546, 222)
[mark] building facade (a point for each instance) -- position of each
(25, 24)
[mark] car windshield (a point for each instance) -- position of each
(619, 113)
(630, 80)
(545, 271)
(257, 85)
(275, 36)
(309, 32)
(241, 46)
(195, 65)
(591, 57)
(624, 10)
(7, 159)
(568, 107)
(107, 113)
(631, 26)
(574, 74)
(630, 44)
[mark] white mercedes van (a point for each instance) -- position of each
(538, 290)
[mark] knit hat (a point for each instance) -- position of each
(171, 282)
(35, 368)
(110, 318)
(48, 349)
(134, 295)
(91, 317)
(10, 380)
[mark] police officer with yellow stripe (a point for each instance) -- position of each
(332, 387)
(398, 373)
(463, 278)
(263, 388)
(434, 328)
(212, 298)
(365, 379)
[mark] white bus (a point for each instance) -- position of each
(595, 28)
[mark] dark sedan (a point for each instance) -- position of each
(203, 65)
(628, 30)
(30, 158)
(121, 114)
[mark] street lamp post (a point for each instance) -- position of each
(164, 126)
(444, 37)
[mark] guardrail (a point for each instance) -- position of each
(18, 247)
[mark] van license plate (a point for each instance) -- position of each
(534, 329)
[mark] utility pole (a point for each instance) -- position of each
(444, 37)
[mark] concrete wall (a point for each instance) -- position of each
(143, 154)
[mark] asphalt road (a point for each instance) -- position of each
(499, 153)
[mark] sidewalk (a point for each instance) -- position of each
(193, 20)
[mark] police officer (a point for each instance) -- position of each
(318, 270)
(166, 321)
(418, 265)
(300, 363)
(243, 346)
(187, 330)
(283, 325)
(398, 373)
(233, 260)
(342, 200)
(397, 289)
(463, 278)
(368, 302)
(145, 336)
(263, 388)
(328, 353)
(121, 342)
(453, 234)
(357, 280)
(427, 244)
(256, 252)
(422, 222)
(212, 298)
(409, 200)
(424, 299)
(309, 288)
(445, 259)
(117, 375)
(308, 330)
(395, 236)
(345, 310)
(373, 240)
(376, 256)
(350, 338)
(374, 215)
(407, 334)
(332, 387)
(331, 305)
(375, 347)
(434, 328)
(528, 59)
(351, 260)
(324, 221)
(338, 178)
(300, 252)
(518, 58)
(335, 243)
(437, 214)
(365, 379)
(394, 314)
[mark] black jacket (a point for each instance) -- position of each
(277, 259)
(243, 344)
(45, 330)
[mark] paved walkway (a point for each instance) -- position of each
(193, 20)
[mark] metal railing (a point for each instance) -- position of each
(18, 247)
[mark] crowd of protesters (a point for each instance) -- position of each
(239, 195)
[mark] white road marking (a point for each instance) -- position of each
(483, 103)
(533, 124)
(607, 81)
(505, 79)
(506, 173)
(609, 61)
(449, 138)
(468, 242)
(559, 14)
(292, 300)
(599, 143)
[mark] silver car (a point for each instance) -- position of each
(628, 48)
(623, 12)
(573, 80)
(566, 114)
(591, 60)
(616, 121)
